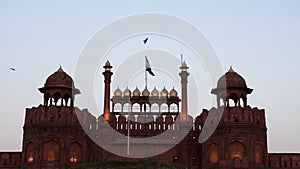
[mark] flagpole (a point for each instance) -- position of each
(145, 72)
(128, 132)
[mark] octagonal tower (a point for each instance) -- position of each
(240, 139)
(53, 137)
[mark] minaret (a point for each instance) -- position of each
(184, 75)
(107, 79)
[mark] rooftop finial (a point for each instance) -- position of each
(184, 66)
(230, 69)
(60, 69)
(107, 65)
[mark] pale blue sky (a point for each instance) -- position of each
(260, 39)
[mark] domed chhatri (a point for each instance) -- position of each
(231, 79)
(231, 86)
(107, 65)
(59, 86)
(155, 92)
(164, 92)
(173, 93)
(136, 92)
(145, 92)
(59, 78)
(118, 92)
(127, 92)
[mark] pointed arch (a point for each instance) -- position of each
(233, 100)
(136, 107)
(29, 152)
(126, 107)
(258, 153)
(213, 153)
(174, 107)
(237, 150)
(154, 107)
(51, 151)
(164, 107)
(56, 96)
(75, 152)
(117, 107)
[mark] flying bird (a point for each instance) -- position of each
(13, 69)
(145, 40)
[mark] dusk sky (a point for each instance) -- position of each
(260, 39)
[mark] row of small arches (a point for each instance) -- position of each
(236, 150)
(136, 92)
(51, 152)
(58, 100)
(136, 107)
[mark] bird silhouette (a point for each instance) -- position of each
(13, 69)
(145, 40)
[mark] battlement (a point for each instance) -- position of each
(284, 160)
(50, 114)
(11, 160)
(233, 115)
(142, 123)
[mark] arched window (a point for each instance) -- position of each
(74, 153)
(136, 107)
(164, 107)
(258, 154)
(50, 151)
(29, 152)
(117, 107)
(237, 150)
(154, 107)
(126, 107)
(56, 96)
(233, 99)
(213, 153)
(51, 155)
(173, 107)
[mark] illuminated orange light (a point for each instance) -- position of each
(73, 159)
(30, 159)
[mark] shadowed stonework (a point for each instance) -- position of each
(58, 135)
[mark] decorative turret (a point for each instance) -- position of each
(232, 86)
(59, 89)
(243, 127)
